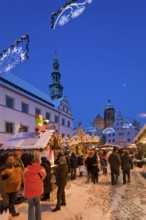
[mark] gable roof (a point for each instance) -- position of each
(79, 132)
(15, 83)
(98, 121)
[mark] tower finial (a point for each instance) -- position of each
(55, 54)
(56, 63)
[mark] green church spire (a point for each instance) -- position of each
(56, 89)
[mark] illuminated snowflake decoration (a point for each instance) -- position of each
(63, 20)
(17, 53)
(68, 11)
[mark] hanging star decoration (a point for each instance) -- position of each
(15, 54)
(69, 10)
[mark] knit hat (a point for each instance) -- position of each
(43, 158)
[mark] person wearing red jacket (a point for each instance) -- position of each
(34, 175)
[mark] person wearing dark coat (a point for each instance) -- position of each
(95, 169)
(68, 163)
(47, 181)
(73, 165)
(115, 162)
(81, 164)
(126, 166)
(90, 160)
(61, 181)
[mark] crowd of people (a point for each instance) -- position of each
(35, 180)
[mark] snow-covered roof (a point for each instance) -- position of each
(15, 83)
(128, 125)
(109, 105)
(28, 140)
(108, 130)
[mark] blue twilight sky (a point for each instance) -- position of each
(102, 53)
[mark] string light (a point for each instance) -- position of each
(73, 10)
(15, 54)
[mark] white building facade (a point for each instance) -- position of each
(121, 133)
(20, 102)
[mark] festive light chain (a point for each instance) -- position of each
(59, 11)
(75, 10)
(14, 55)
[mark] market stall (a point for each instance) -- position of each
(30, 142)
(81, 142)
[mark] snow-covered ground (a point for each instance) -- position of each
(102, 201)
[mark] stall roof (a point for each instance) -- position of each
(79, 132)
(29, 141)
(141, 136)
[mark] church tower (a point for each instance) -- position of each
(109, 114)
(56, 89)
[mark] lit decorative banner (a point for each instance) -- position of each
(69, 10)
(15, 54)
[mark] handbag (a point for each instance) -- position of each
(53, 178)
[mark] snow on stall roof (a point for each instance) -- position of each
(15, 80)
(28, 140)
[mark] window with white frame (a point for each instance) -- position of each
(68, 124)
(9, 102)
(56, 119)
(23, 128)
(24, 107)
(48, 115)
(9, 127)
(63, 121)
(37, 111)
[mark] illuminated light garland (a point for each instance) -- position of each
(15, 54)
(75, 9)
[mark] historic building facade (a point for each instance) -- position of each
(20, 102)
(109, 117)
(113, 130)
(122, 133)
